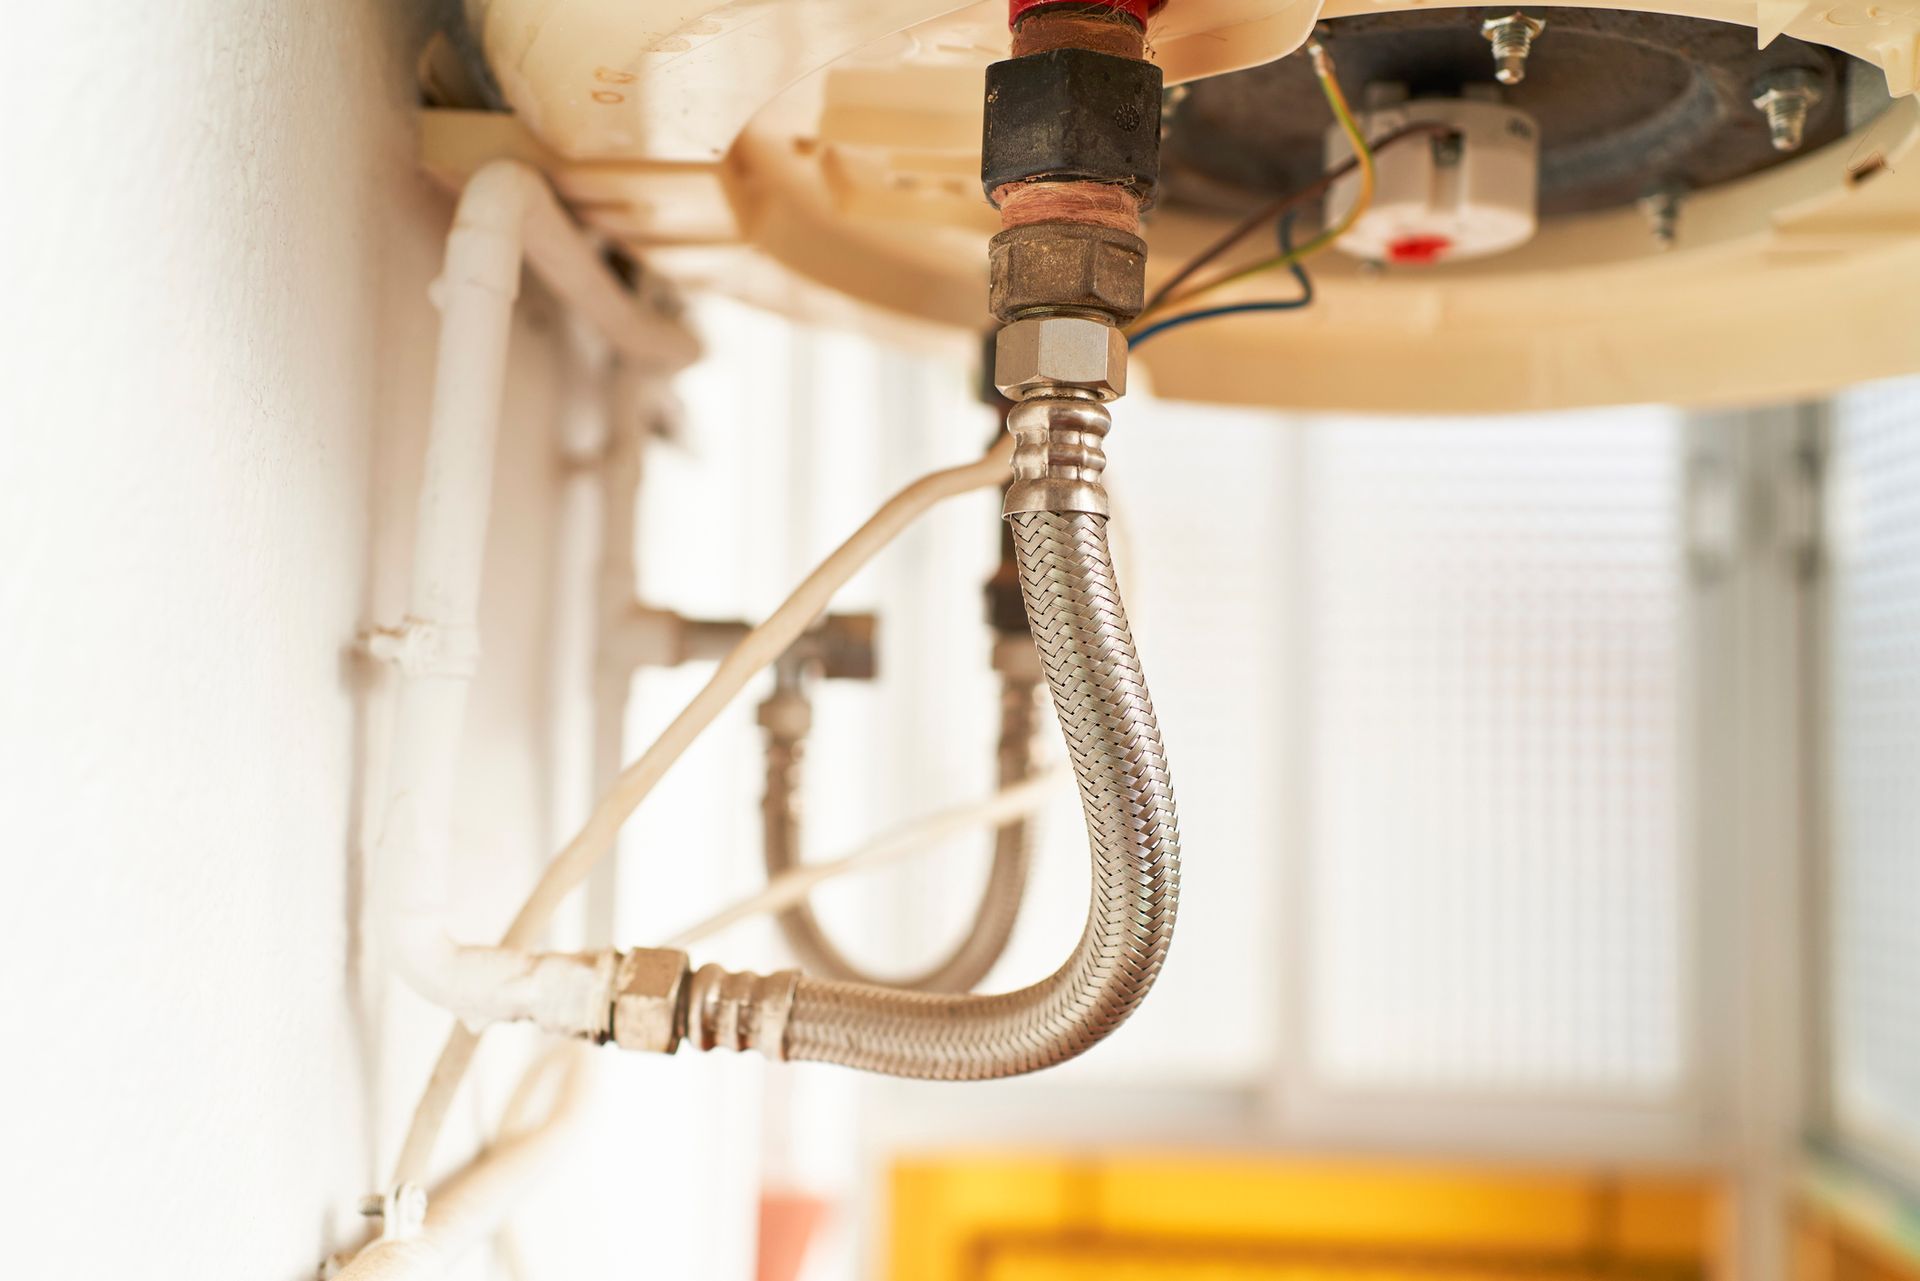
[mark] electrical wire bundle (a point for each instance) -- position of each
(1288, 256)
(1170, 295)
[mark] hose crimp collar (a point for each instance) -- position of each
(740, 1011)
(1058, 453)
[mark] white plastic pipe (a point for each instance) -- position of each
(505, 212)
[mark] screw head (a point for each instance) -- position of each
(1661, 205)
(1492, 28)
(1787, 97)
(1511, 36)
(1800, 81)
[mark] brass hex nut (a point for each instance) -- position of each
(650, 1000)
(1066, 264)
(1060, 351)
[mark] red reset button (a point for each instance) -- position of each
(1418, 249)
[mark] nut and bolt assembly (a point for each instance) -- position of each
(1512, 38)
(1786, 98)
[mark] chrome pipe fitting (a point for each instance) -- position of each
(1060, 353)
(740, 1011)
(1059, 454)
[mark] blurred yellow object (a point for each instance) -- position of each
(1146, 1217)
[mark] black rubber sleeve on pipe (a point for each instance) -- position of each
(1072, 115)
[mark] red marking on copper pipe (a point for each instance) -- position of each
(1138, 10)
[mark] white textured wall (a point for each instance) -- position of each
(214, 370)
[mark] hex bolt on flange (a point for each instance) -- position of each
(1787, 97)
(1661, 205)
(1512, 39)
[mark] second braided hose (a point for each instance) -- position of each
(999, 907)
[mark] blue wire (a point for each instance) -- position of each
(1240, 308)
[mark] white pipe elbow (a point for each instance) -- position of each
(506, 216)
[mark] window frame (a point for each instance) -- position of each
(1831, 1136)
(1735, 468)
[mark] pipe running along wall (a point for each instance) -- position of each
(506, 213)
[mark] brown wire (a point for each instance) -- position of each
(1266, 213)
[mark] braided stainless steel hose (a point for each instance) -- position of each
(786, 717)
(1066, 270)
(1087, 653)
(1107, 717)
